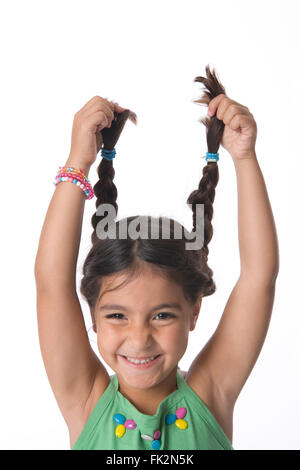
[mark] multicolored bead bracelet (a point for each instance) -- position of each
(77, 177)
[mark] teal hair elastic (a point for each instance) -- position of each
(212, 157)
(108, 154)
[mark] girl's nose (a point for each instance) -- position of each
(140, 338)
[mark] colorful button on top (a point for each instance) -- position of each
(181, 412)
(123, 424)
(170, 419)
(130, 424)
(118, 418)
(155, 444)
(181, 423)
(120, 430)
(146, 437)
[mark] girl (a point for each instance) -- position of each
(145, 294)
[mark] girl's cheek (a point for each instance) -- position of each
(171, 337)
(108, 337)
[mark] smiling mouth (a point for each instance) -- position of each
(141, 360)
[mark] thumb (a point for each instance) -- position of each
(214, 103)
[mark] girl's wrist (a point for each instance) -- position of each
(75, 162)
(251, 155)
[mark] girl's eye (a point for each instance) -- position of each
(115, 315)
(165, 315)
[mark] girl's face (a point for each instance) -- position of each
(146, 317)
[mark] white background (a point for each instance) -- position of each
(55, 56)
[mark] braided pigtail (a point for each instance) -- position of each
(105, 190)
(205, 194)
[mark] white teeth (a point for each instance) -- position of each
(143, 361)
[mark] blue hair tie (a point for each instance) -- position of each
(212, 157)
(108, 154)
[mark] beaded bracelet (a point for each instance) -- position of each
(77, 177)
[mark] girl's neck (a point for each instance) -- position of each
(146, 401)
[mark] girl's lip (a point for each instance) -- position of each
(146, 365)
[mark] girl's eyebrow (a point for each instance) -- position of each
(120, 307)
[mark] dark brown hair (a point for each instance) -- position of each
(168, 257)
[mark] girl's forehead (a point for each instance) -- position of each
(145, 280)
(145, 288)
(142, 271)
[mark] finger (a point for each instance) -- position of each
(106, 111)
(240, 121)
(230, 111)
(114, 106)
(94, 103)
(219, 104)
(88, 104)
(96, 121)
(223, 108)
(110, 108)
(215, 102)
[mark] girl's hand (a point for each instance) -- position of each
(240, 130)
(87, 126)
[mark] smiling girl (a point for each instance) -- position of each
(145, 295)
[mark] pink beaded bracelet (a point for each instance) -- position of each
(77, 177)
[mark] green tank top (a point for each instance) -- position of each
(182, 421)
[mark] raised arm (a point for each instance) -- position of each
(232, 351)
(70, 362)
(237, 342)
